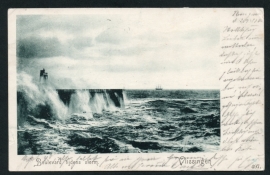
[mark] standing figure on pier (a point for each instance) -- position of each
(43, 75)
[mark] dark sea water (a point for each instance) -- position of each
(148, 121)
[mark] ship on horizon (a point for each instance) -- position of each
(159, 88)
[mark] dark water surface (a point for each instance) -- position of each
(149, 121)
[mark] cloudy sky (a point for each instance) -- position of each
(175, 48)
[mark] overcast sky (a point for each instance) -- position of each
(175, 48)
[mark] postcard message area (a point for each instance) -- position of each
(124, 90)
(242, 87)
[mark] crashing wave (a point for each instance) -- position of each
(43, 101)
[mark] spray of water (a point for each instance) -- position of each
(79, 103)
(36, 95)
(101, 102)
(125, 100)
(121, 100)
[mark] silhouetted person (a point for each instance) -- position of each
(43, 74)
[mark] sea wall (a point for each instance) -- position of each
(61, 103)
(109, 95)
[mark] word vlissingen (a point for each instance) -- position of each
(189, 161)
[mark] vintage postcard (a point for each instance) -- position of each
(160, 89)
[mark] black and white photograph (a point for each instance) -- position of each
(114, 83)
(136, 89)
